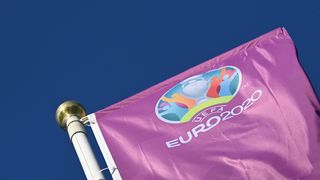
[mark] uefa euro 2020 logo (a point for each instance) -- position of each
(182, 102)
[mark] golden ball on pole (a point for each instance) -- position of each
(68, 109)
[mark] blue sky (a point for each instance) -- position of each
(100, 52)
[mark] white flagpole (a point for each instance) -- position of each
(68, 116)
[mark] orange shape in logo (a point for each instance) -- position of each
(178, 98)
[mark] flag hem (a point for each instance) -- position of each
(104, 147)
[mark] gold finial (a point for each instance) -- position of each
(68, 109)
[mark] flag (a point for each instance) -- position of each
(249, 113)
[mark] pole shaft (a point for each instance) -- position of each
(83, 149)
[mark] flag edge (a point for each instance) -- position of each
(114, 171)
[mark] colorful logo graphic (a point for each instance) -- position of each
(186, 99)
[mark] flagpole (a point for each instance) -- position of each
(68, 116)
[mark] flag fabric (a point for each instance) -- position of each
(249, 113)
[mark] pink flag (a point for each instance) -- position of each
(249, 113)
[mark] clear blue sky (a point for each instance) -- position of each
(100, 52)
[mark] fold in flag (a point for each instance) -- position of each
(250, 113)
